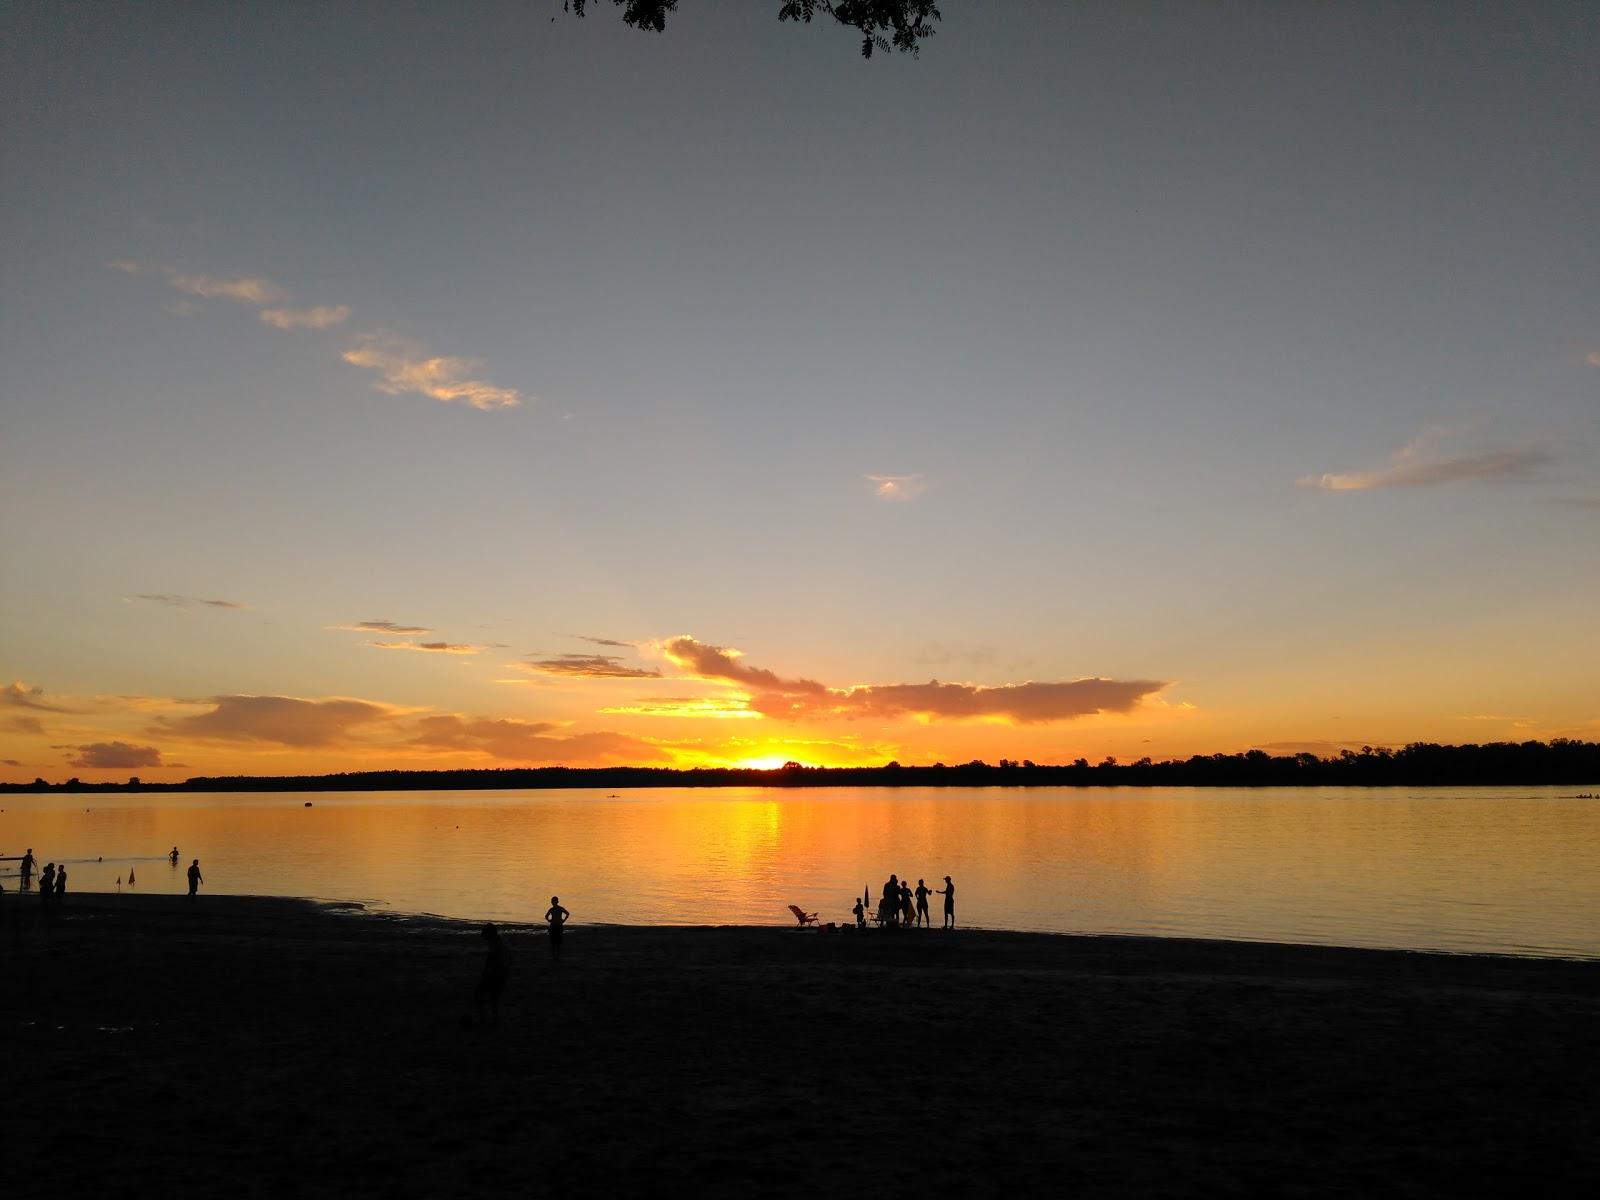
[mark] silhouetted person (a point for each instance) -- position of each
(889, 905)
(61, 884)
(905, 903)
(47, 885)
(556, 917)
(949, 894)
(496, 966)
(923, 892)
(28, 863)
(173, 857)
(860, 911)
(195, 878)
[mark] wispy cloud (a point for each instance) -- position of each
(118, 755)
(403, 367)
(384, 627)
(593, 666)
(174, 601)
(716, 707)
(19, 695)
(431, 647)
(1418, 464)
(722, 662)
(244, 288)
(283, 720)
(897, 487)
(600, 641)
(321, 317)
(1024, 703)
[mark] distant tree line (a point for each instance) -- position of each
(1562, 761)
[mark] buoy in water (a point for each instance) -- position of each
(308, 804)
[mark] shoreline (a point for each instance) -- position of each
(270, 1046)
(376, 911)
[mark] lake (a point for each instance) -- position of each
(1505, 870)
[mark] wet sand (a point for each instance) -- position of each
(243, 1046)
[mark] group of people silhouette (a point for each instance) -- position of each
(901, 904)
(53, 879)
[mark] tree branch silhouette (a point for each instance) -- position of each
(883, 24)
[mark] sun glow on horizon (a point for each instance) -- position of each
(765, 762)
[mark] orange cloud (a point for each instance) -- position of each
(719, 662)
(530, 741)
(1024, 703)
(717, 708)
(592, 666)
(116, 755)
(320, 317)
(384, 627)
(402, 367)
(430, 647)
(19, 695)
(1413, 466)
(244, 288)
(897, 487)
(284, 720)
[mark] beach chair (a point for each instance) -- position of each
(802, 916)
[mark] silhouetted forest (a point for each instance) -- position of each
(1561, 761)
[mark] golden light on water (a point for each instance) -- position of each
(1423, 868)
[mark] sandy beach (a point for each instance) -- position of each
(245, 1046)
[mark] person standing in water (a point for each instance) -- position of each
(27, 870)
(47, 886)
(923, 892)
(173, 857)
(949, 894)
(195, 878)
(61, 885)
(556, 918)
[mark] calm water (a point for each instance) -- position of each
(1507, 870)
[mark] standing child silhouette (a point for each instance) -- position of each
(556, 917)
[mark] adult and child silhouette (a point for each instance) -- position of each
(497, 960)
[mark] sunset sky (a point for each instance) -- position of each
(473, 385)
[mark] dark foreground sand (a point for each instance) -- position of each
(268, 1047)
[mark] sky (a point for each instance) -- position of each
(439, 386)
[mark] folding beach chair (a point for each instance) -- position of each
(802, 916)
